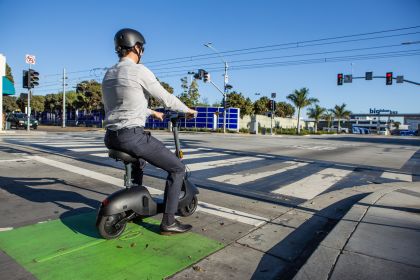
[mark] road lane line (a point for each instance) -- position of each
(89, 149)
(397, 176)
(238, 178)
(221, 163)
(70, 145)
(209, 208)
(311, 186)
(15, 159)
(104, 155)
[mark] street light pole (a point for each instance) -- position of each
(225, 82)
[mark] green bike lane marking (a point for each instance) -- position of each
(71, 248)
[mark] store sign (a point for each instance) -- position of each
(379, 111)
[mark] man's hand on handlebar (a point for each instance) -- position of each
(158, 115)
(192, 114)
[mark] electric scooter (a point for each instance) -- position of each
(135, 201)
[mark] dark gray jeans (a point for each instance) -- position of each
(139, 143)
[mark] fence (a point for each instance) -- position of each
(208, 118)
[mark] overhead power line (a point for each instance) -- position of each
(297, 44)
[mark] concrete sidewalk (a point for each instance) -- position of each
(379, 238)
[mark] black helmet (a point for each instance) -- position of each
(127, 38)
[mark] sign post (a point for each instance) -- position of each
(2, 73)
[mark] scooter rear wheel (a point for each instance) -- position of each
(190, 208)
(110, 227)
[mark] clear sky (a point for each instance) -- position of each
(78, 35)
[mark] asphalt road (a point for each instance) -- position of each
(244, 180)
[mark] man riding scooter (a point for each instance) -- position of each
(127, 87)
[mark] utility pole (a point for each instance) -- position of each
(64, 97)
(225, 82)
(225, 96)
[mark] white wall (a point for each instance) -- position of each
(265, 121)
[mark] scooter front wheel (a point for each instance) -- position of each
(190, 208)
(110, 227)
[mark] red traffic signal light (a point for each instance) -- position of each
(388, 78)
(340, 79)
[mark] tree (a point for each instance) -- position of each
(190, 95)
(300, 98)
(328, 116)
(51, 102)
(10, 104)
(261, 105)
(237, 100)
(9, 74)
(37, 103)
(284, 110)
(91, 95)
(339, 113)
(316, 113)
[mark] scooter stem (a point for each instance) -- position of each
(176, 139)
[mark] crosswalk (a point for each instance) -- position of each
(269, 174)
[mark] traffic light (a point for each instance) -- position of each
(206, 76)
(33, 78)
(388, 78)
(25, 80)
(340, 79)
(272, 105)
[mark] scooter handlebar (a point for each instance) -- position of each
(179, 115)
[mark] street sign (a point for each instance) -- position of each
(30, 59)
(368, 76)
(273, 95)
(400, 79)
(348, 78)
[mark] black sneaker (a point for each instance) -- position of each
(175, 228)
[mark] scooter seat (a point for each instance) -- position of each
(118, 155)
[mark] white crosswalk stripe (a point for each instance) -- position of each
(241, 178)
(221, 163)
(313, 185)
(89, 149)
(397, 176)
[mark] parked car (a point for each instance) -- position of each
(19, 120)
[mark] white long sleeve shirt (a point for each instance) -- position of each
(126, 89)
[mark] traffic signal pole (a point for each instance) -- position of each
(28, 125)
(64, 98)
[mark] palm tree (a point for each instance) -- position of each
(339, 113)
(316, 113)
(328, 117)
(301, 99)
